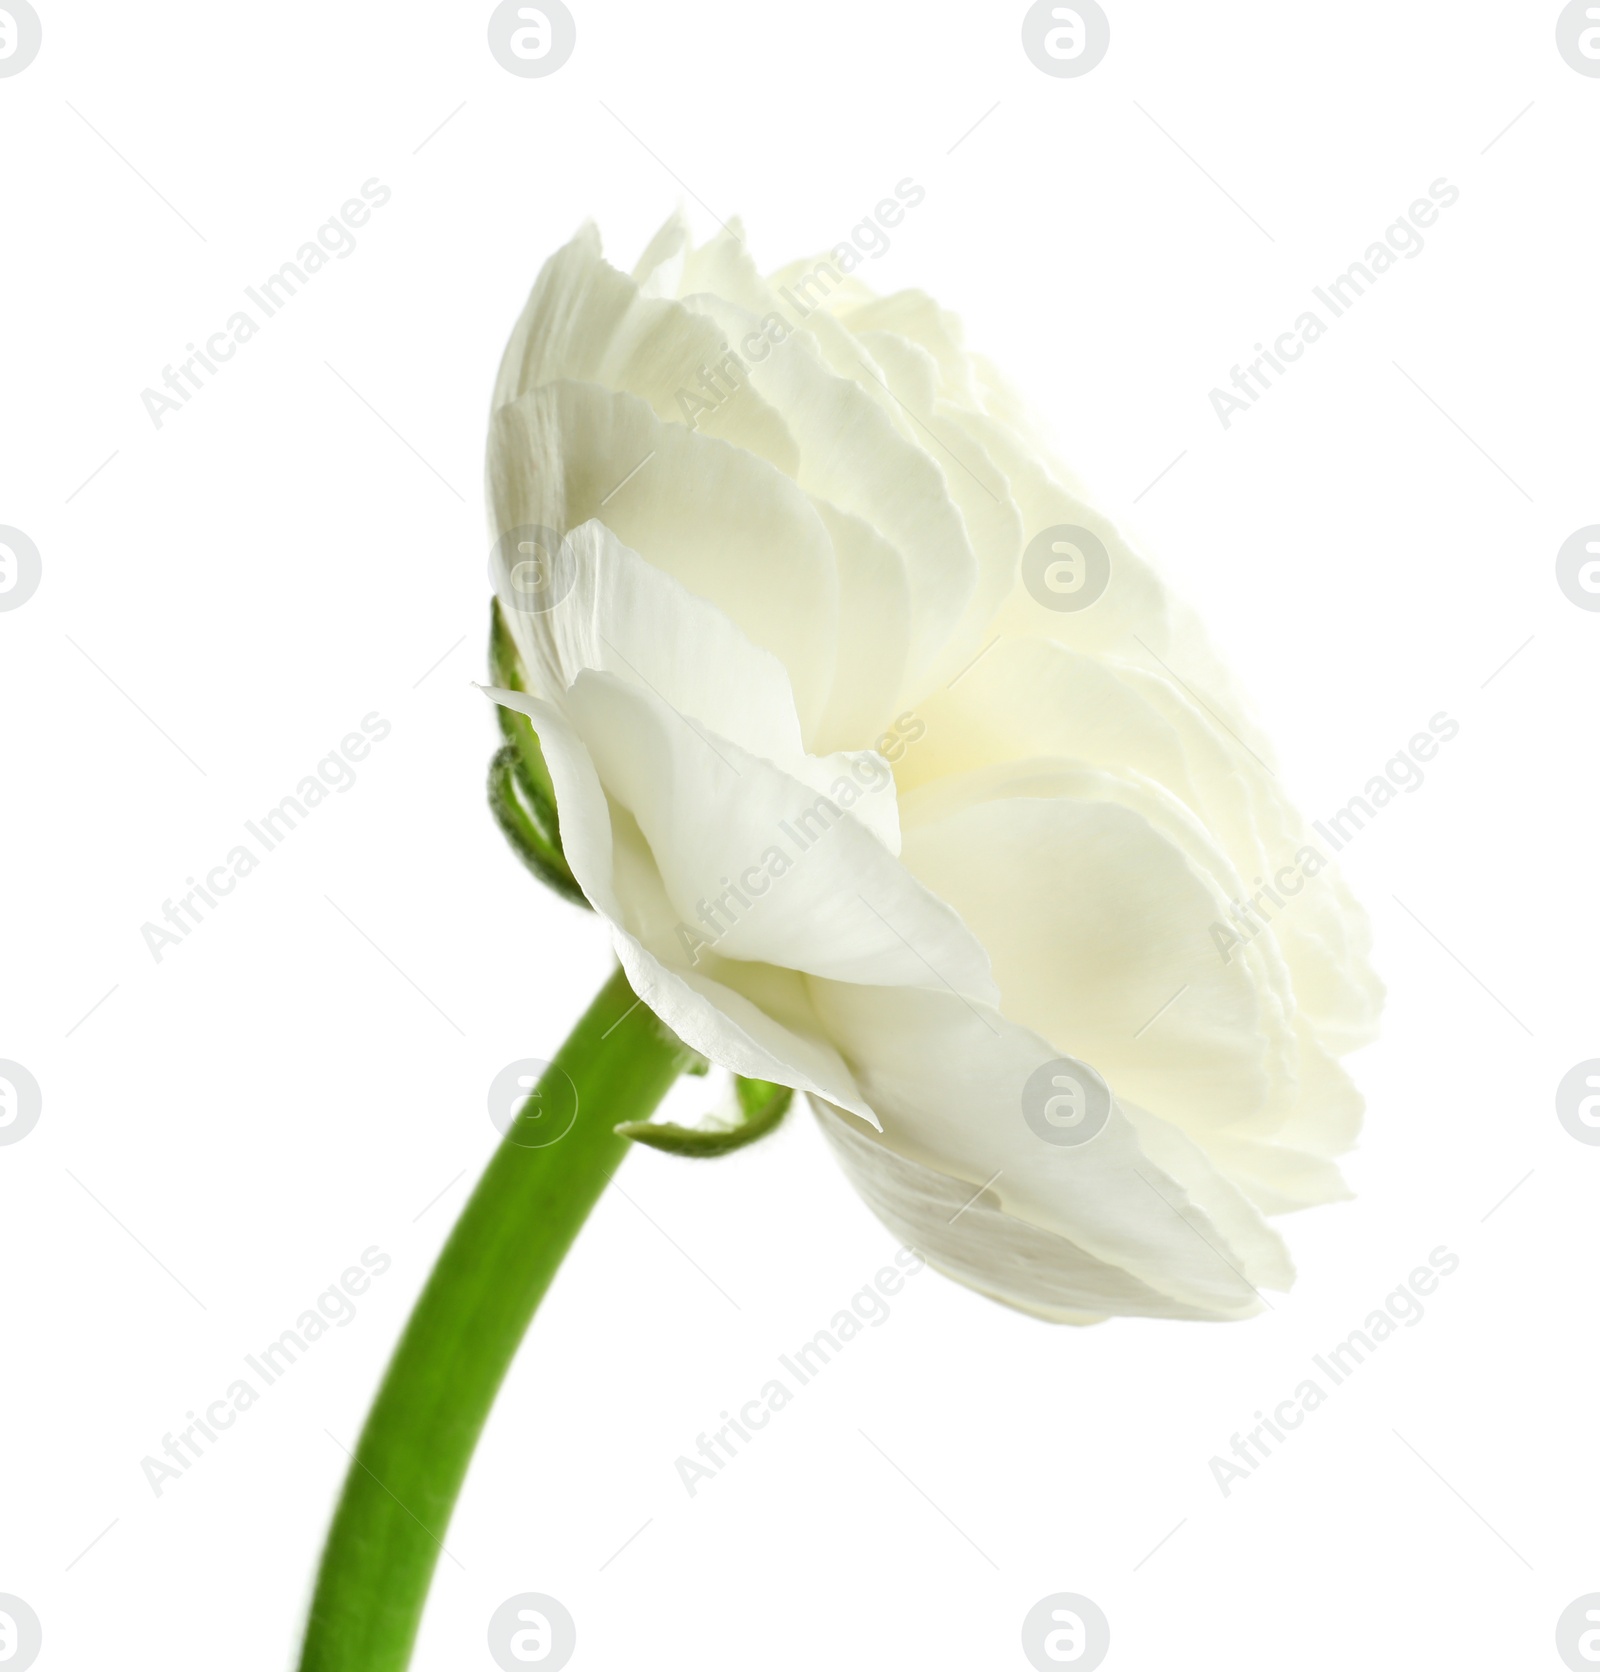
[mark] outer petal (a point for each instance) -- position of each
(840, 904)
(614, 871)
(975, 1241)
(625, 617)
(947, 1080)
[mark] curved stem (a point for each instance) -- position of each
(516, 1228)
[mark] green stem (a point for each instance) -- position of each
(465, 1329)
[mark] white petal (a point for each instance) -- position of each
(722, 267)
(586, 322)
(947, 1079)
(659, 269)
(1278, 1179)
(1216, 1195)
(1028, 697)
(978, 488)
(610, 868)
(731, 528)
(915, 316)
(1096, 897)
(839, 904)
(874, 632)
(969, 1237)
(1136, 614)
(627, 617)
(853, 456)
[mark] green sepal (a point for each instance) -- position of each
(521, 794)
(762, 1104)
(507, 802)
(505, 668)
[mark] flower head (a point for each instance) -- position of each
(902, 780)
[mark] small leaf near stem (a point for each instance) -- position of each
(762, 1104)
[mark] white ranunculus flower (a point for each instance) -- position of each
(877, 808)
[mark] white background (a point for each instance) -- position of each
(276, 561)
